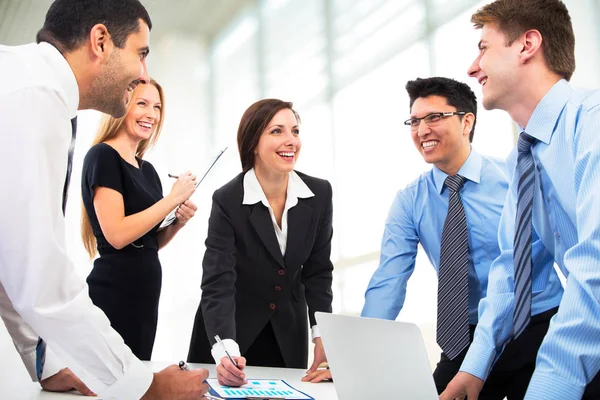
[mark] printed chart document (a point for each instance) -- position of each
(172, 217)
(258, 388)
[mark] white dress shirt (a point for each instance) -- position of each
(41, 293)
(253, 194)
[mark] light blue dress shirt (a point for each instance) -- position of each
(418, 214)
(566, 216)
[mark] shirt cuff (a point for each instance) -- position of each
(541, 382)
(218, 351)
(52, 364)
(315, 332)
(133, 385)
(479, 360)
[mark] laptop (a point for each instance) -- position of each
(376, 359)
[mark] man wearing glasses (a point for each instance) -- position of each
(453, 211)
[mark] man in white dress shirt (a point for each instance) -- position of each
(89, 55)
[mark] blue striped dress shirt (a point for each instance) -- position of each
(566, 216)
(417, 215)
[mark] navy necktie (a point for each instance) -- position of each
(453, 275)
(522, 243)
(40, 349)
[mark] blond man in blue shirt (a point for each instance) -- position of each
(526, 58)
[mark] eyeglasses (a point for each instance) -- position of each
(430, 119)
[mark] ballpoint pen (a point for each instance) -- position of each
(265, 398)
(183, 366)
(211, 397)
(218, 339)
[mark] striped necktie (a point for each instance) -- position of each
(522, 243)
(40, 349)
(453, 275)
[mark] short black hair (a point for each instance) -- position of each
(457, 94)
(69, 22)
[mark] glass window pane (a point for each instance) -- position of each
(374, 153)
(454, 49)
(235, 75)
(294, 48)
(387, 30)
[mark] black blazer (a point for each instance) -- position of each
(246, 281)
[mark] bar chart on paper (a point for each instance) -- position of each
(258, 388)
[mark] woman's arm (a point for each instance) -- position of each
(120, 230)
(219, 275)
(317, 272)
(184, 213)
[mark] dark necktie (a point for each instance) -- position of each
(40, 349)
(522, 243)
(453, 275)
(69, 164)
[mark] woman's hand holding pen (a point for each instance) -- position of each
(230, 375)
(183, 188)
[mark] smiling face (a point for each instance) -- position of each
(145, 113)
(496, 68)
(445, 143)
(121, 73)
(279, 144)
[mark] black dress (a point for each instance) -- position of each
(125, 283)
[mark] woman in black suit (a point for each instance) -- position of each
(267, 253)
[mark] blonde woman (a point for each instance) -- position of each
(123, 207)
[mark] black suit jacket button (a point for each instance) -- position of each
(272, 306)
(281, 272)
(278, 288)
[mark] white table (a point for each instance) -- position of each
(18, 386)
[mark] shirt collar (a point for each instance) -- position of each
(471, 170)
(64, 75)
(253, 192)
(543, 120)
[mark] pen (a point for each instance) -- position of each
(173, 176)
(211, 397)
(218, 339)
(265, 398)
(183, 366)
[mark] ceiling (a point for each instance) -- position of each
(21, 19)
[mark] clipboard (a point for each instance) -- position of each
(257, 389)
(170, 219)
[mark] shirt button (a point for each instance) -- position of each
(281, 272)
(278, 288)
(272, 306)
(548, 199)
(557, 235)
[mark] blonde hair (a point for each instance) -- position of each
(109, 127)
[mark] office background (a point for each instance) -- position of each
(344, 64)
